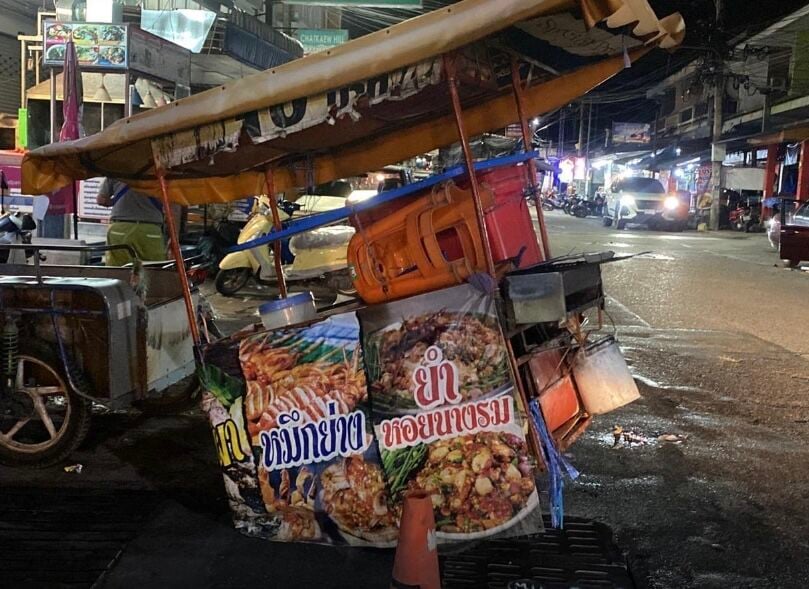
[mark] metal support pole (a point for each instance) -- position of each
(276, 221)
(53, 106)
(580, 145)
(75, 196)
(587, 170)
(174, 243)
(717, 149)
(769, 179)
(449, 67)
(516, 85)
(803, 172)
(128, 89)
(23, 72)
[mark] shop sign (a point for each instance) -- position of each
(368, 3)
(314, 40)
(98, 45)
(88, 207)
(631, 133)
(158, 57)
(566, 167)
(580, 168)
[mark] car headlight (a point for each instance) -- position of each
(671, 203)
(628, 200)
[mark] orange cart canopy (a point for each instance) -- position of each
(377, 100)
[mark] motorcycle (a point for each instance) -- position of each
(15, 229)
(582, 208)
(315, 260)
(744, 218)
(571, 202)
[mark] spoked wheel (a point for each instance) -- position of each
(41, 419)
(231, 281)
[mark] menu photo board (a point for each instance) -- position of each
(98, 45)
(88, 207)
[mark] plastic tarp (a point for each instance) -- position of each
(353, 95)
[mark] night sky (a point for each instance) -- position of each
(742, 18)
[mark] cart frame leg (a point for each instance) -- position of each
(276, 221)
(516, 84)
(174, 244)
(449, 66)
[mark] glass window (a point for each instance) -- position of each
(639, 184)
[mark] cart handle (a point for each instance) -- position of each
(36, 248)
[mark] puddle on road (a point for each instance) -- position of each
(666, 387)
(653, 256)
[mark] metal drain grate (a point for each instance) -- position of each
(582, 555)
(66, 537)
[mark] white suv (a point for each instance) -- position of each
(644, 201)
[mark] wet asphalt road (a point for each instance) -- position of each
(716, 336)
(716, 333)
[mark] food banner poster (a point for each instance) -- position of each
(445, 413)
(98, 45)
(289, 409)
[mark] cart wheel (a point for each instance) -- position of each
(42, 421)
(179, 397)
(229, 282)
(792, 263)
(606, 221)
(620, 224)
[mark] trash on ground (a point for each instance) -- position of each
(672, 438)
(74, 468)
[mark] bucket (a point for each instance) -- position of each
(296, 308)
(603, 378)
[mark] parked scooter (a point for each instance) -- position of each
(15, 229)
(553, 200)
(315, 260)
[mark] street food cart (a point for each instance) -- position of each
(466, 363)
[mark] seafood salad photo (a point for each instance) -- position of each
(354, 496)
(471, 341)
(479, 484)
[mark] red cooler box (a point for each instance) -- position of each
(508, 221)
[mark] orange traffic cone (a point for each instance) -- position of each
(416, 563)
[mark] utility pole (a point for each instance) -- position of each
(717, 149)
(580, 144)
(587, 152)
